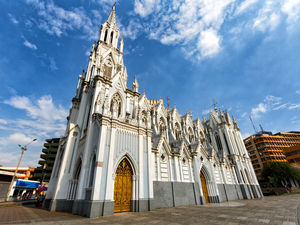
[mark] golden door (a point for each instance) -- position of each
(123, 186)
(204, 187)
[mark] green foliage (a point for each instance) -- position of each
(276, 172)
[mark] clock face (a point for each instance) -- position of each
(108, 63)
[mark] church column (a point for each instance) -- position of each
(180, 168)
(158, 166)
(109, 182)
(240, 139)
(99, 161)
(213, 178)
(229, 142)
(82, 106)
(150, 164)
(141, 166)
(191, 172)
(87, 150)
(197, 174)
(170, 166)
(176, 165)
(133, 188)
(215, 146)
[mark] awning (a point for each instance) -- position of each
(27, 184)
(42, 189)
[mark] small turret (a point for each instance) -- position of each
(121, 45)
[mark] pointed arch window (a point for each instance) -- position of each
(105, 36)
(226, 143)
(116, 104)
(92, 170)
(190, 135)
(78, 169)
(111, 38)
(218, 140)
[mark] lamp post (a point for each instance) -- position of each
(12, 181)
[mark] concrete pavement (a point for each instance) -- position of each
(283, 210)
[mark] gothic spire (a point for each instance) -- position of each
(112, 15)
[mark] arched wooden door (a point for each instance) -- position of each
(123, 187)
(204, 187)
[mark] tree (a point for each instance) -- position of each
(276, 172)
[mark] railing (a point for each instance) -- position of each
(71, 194)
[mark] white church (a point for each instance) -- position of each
(124, 152)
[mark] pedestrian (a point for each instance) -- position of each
(40, 199)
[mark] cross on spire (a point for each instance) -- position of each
(215, 106)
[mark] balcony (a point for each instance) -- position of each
(38, 175)
(50, 161)
(48, 145)
(51, 156)
(49, 168)
(39, 169)
(43, 156)
(53, 150)
(45, 150)
(42, 162)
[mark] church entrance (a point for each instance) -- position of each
(204, 187)
(123, 187)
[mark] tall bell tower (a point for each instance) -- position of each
(106, 57)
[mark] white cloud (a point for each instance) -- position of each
(260, 109)
(298, 92)
(292, 9)
(58, 21)
(209, 42)
(268, 18)
(3, 121)
(281, 106)
(244, 114)
(43, 109)
(204, 112)
(246, 135)
(244, 6)
(53, 66)
(131, 30)
(294, 106)
(188, 23)
(13, 19)
(29, 45)
(145, 7)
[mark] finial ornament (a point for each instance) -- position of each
(215, 105)
(114, 5)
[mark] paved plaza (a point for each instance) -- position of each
(282, 210)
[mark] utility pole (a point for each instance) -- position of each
(12, 181)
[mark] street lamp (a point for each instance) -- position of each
(12, 181)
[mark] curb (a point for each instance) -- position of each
(17, 204)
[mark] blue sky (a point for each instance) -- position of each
(243, 54)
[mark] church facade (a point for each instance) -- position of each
(124, 152)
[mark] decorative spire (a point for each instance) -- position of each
(215, 105)
(112, 15)
(135, 85)
(203, 118)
